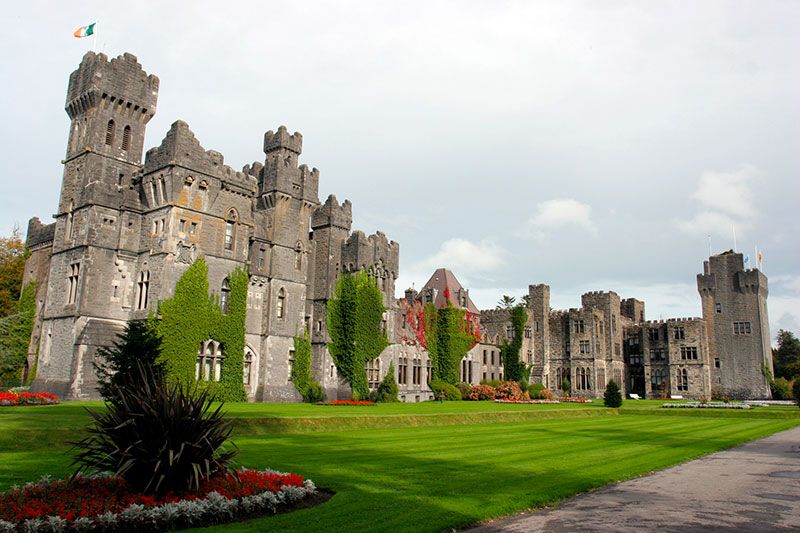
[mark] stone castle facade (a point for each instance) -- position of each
(125, 230)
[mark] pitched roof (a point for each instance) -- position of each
(445, 286)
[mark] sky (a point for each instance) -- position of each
(587, 145)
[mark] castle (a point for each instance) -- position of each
(126, 230)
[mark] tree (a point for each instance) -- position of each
(140, 343)
(566, 386)
(15, 337)
(355, 314)
(387, 390)
(525, 300)
(612, 396)
(786, 357)
(12, 267)
(506, 302)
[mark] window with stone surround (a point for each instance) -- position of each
(683, 379)
(126, 138)
(416, 373)
(527, 332)
(742, 328)
(247, 370)
(585, 346)
(580, 326)
(373, 367)
(280, 309)
(230, 229)
(718, 307)
(224, 295)
(658, 354)
(110, 130)
(652, 334)
(679, 333)
(72, 282)
(689, 352)
(143, 289)
(402, 371)
(209, 361)
(658, 377)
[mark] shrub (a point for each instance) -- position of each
(566, 386)
(387, 391)
(612, 396)
(451, 393)
(464, 389)
(314, 393)
(159, 437)
(508, 390)
(482, 393)
(491, 382)
(524, 385)
(781, 389)
(139, 343)
(538, 391)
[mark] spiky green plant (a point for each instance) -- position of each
(159, 437)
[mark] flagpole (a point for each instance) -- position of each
(734, 236)
(709, 245)
(94, 37)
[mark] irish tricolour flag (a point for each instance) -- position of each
(85, 31)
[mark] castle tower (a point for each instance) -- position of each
(109, 104)
(539, 304)
(735, 311)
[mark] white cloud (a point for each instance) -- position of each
(461, 255)
(708, 223)
(561, 213)
(728, 192)
(789, 282)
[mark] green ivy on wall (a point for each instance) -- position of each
(513, 366)
(191, 317)
(448, 340)
(15, 337)
(355, 313)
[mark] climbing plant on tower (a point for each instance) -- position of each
(449, 334)
(191, 317)
(355, 313)
(513, 366)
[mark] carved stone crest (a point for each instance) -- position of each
(186, 253)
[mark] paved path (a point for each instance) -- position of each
(753, 487)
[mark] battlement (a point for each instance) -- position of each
(333, 214)
(663, 321)
(39, 235)
(281, 140)
(495, 315)
(181, 147)
(752, 281)
(121, 82)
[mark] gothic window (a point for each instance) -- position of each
(224, 295)
(658, 377)
(683, 379)
(402, 371)
(74, 274)
(247, 371)
(110, 133)
(162, 190)
(209, 361)
(126, 138)
(298, 257)
(373, 367)
(153, 192)
(484, 357)
(230, 229)
(143, 285)
(416, 374)
(280, 310)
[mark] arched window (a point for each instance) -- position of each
(588, 379)
(280, 310)
(126, 138)
(144, 289)
(110, 132)
(209, 361)
(224, 295)
(683, 379)
(230, 229)
(249, 357)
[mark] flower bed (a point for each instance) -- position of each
(348, 402)
(27, 398)
(526, 401)
(712, 405)
(103, 503)
(575, 400)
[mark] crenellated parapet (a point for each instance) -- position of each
(39, 235)
(360, 252)
(331, 214)
(281, 140)
(282, 175)
(121, 83)
(181, 147)
(752, 281)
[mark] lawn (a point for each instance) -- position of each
(430, 466)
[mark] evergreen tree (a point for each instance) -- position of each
(786, 357)
(388, 390)
(15, 337)
(612, 396)
(138, 343)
